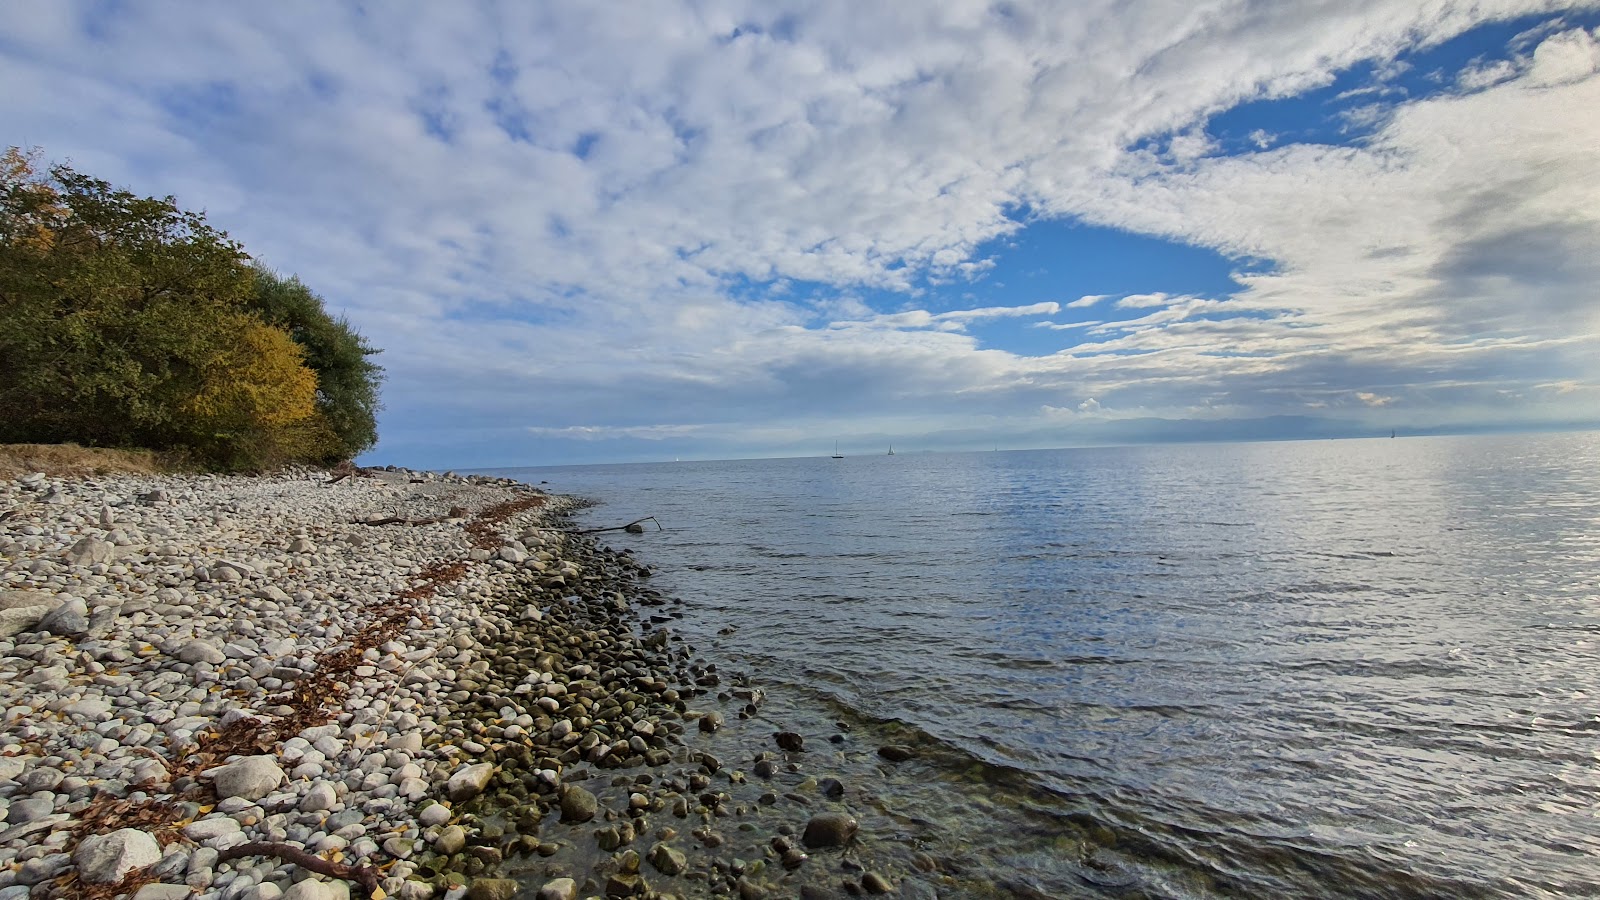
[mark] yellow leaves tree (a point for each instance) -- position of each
(254, 394)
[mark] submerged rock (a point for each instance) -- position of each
(829, 829)
(577, 804)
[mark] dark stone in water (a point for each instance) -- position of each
(876, 884)
(492, 889)
(829, 829)
(790, 741)
(710, 722)
(578, 805)
(896, 753)
(832, 788)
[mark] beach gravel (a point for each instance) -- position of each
(193, 662)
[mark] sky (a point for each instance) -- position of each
(587, 232)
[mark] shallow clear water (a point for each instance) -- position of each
(1313, 669)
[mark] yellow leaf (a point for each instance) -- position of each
(378, 893)
(207, 808)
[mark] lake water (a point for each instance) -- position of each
(1330, 669)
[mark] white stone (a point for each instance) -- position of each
(200, 651)
(164, 892)
(469, 781)
(250, 778)
(322, 796)
(310, 890)
(205, 829)
(89, 551)
(559, 889)
(436, 814)
(106, 858)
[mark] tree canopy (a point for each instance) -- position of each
(126, 321)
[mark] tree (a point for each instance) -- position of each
(127, 321)
(347, 380)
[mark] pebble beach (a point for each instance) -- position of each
(388, 684)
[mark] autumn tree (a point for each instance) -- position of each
(127, 321)
(347, 379)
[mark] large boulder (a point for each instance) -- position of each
(108, 858)
(21, 610)
(250, 778)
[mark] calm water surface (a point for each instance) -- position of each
(1351, 668)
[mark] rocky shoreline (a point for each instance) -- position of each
(395, 684)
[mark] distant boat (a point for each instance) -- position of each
(1391, 433)
(836, 453)
(891, 450)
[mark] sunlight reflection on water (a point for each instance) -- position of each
(1332, 668)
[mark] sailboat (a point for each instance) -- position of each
(891, 450)
(836, 453)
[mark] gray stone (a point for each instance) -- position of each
(107, 858)
(43, 868)
(18, 619)
(70, 619)
(310, 890)
(198, 651)
(206, 829)
(164, 892)
(102, 619)
(302, 545)
(25, 599)
(469, 782)
(30, 810)
(89, 551)
(250, 778)
(321, 796)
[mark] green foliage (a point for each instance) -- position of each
(127, 322)
(347, 381)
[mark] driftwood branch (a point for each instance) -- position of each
(402, 520)
(364, 875)
(634, 527)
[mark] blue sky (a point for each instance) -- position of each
(722, 229)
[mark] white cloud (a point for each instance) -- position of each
(1140, 301)
(1066, 326)
(423, 170)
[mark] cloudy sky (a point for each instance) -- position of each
(603, 232)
